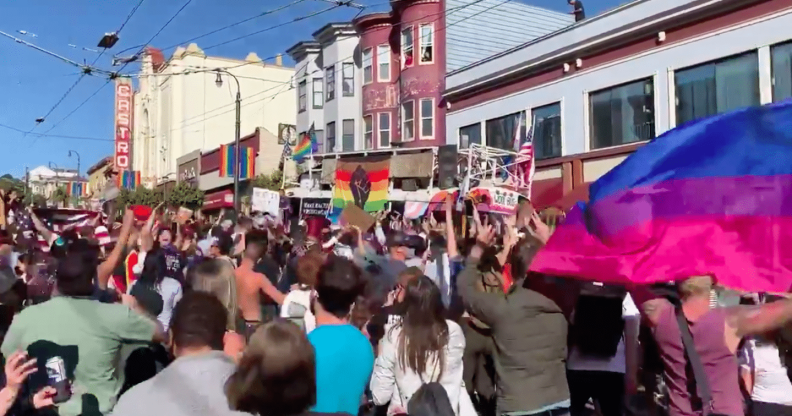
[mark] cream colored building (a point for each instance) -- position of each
(180, 108)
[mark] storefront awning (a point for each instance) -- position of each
(220, 199)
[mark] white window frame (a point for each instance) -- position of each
(402, 48)
(302, 96)
(431, 43)
(351, 79)
(368, 62)
(369, 132)
(380, 130)
(330, 83)
(404, 122)
(314, 91)
(423, 117)
(383, 51)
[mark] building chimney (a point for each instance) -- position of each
(279, 59)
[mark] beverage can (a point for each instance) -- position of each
(56, 370)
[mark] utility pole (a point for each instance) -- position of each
(27, 184)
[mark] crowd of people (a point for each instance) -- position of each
(436, 317)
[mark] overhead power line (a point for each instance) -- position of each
(5, 126)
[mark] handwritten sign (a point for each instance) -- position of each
(314, 206)
(266, 201)
(495, 200)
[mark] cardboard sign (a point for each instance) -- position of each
(266, 201)
(183, 215)
(354, 215)
(495, 200)
(314, 206)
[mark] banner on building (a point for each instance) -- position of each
(363, 182)
(495, 200)
(123, 124)
(247, 164)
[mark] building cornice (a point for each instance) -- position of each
(301, 50)
(332, 31)
(373, 20)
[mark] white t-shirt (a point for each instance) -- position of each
(771, 383)
(171, 291)
(617, 363)
(297, 304)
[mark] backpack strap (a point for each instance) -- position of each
(696, 365)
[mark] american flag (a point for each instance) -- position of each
(57, 220)
(524, 166)
(287, 152)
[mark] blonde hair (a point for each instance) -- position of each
(216, 276)
(696, 286)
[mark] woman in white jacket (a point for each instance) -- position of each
(420, 348)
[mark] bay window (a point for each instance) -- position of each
(384, 129)
(383, 63)
(408, 121)
(407, 47)
(427, 43)
(368, 76)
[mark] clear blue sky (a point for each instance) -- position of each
(32, 82)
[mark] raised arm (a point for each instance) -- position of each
(105, 270)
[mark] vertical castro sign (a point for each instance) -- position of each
(123, 124)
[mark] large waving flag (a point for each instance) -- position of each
(712, 197)
(307, 145)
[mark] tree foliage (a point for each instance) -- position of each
(184, 195)
(60, 196)
(139, 196)
(273, 181)
(9, 183)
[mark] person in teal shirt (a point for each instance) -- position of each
(344, 356)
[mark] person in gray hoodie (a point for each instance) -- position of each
(194, 384)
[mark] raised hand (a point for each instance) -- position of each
(17, 369)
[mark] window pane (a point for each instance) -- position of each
(621, 115)
(348, 139)
(318, 92)
(330, 133)
(384, 129)
(330, 81)
(349, 80)
(302, 98)
(320, 139)
(349, 126)
(383, 60)
(408, 110)
(407, 46)
(500, 132)
(782, 72)
(469, 135)
(427, 125)
(368, 132)
(367, 66)
(717, 87)
(427, 42)
(426, 108)
(547, 131)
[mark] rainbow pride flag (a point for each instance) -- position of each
(129, 179)
(78, 188)
(711, 197)
(363, 182)
(307, 146)
(247, 165)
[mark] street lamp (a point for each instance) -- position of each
(78, 160)
(219, 83)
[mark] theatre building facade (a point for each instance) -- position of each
(594, 92)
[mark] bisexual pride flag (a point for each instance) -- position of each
(711, 197)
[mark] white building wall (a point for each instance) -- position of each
(344, 49)
(659, 63)
(188, 111)
(307, 69)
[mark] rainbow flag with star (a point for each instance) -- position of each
(363, 182)
(307, 145)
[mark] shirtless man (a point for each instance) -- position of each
(250, 285)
